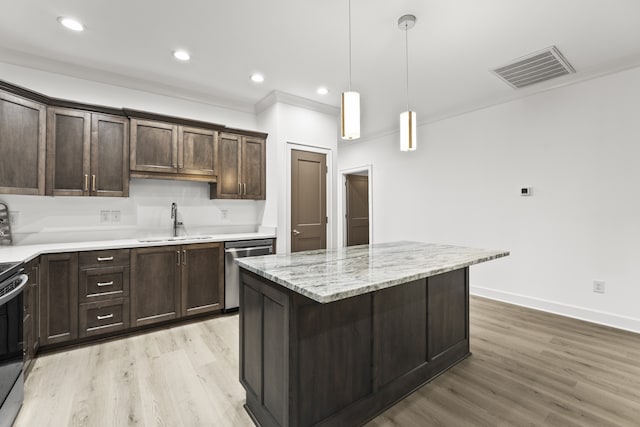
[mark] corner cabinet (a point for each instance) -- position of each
(168, 282)
(166, 150)
(58, 298)
(22, 145)
(87, 153)
(242, 168)
(31, 315)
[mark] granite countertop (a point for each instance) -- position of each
(335, 274)
(24, 253)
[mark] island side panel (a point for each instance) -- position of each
(400, 331)
(448, 317)
(264, 349)
(333, 356)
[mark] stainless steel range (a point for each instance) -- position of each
(12, 282)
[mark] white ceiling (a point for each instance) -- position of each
(302, 44)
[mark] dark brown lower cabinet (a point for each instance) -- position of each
(168, 282)
(155, 284)
(303, 363)
(58, 298)
(202, 278)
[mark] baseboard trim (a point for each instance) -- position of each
(594, 316)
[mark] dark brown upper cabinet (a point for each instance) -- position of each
(242, 168)
(87, 153)
(22, 145)
(165, 150)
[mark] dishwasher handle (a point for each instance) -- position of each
(239, 251)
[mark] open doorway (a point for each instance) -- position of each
(356, 206)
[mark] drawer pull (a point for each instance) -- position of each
(106, 316)
(100, 284)
(107, 258)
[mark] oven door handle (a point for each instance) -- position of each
(15, 291)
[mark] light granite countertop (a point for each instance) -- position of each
(24, 253)
(335, 274)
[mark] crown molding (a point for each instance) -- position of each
(202, 96)
(276, 96)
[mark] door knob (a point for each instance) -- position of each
(295, 232)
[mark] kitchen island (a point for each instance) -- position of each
(333, 337)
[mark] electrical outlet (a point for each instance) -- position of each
(14, 217)
(598, 286)
(105, 216)
(224, 214)
(115, 216)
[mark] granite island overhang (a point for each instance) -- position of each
(333, 337)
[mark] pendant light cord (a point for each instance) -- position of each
(406, 39)
(349, 45)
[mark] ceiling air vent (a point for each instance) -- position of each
(535, 68)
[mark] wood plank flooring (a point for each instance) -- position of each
(528, 368)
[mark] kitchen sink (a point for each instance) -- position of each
(174, 239)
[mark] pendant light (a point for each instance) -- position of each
(350, 111)
(408, 133)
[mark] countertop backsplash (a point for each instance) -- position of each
(145, 213)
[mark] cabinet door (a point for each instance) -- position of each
(253, 168)
(68, 145)
(229, 179)
(197, 151)
(155, 284)
(202, 278)
(22, 146)
(154, 146)
(109, 156)
(58, 298)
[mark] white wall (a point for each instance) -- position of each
(577, 147)
(289, 124)
(146, 211)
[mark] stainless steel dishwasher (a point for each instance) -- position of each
(240, 249)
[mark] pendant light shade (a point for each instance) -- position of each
(350, 116)
(350, 106)
(408, 132)
(408, 140)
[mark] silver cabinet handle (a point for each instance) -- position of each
(106, 316)
(239, 189)
(177, 257)
(245, 189)
(295, 232)
(86, 182)
(184, 257)
(93, 183)
(107, 258)
(105, 283)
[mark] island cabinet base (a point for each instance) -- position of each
(303, 363)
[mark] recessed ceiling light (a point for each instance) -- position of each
(182, 55)
(322, 90)
(71, 23)
(257, 78)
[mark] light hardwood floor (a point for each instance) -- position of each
(528, 368)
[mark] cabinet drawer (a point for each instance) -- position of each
(105, 258)
(104, 283)
(103, 317)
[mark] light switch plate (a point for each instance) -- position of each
(105, 216)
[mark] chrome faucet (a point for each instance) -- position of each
(174, 217)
